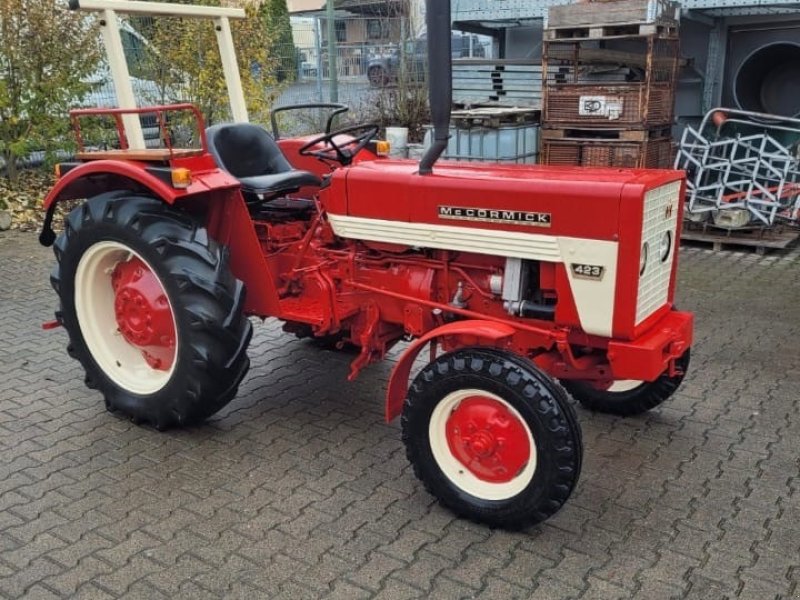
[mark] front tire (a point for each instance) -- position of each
(153, 313)
(492, 437)
(629, 398)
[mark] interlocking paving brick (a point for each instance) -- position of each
(424, 570)
(297, 489)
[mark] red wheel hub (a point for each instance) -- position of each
(488, 439)
(144, 317)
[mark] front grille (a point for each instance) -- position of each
(660, 215)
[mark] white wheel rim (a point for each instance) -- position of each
(122, 362)
(625, 385)
(455, 470)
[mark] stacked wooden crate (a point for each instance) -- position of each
(609, 72)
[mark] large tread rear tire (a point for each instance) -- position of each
(207, 304)
(538, 402)
(636, 401)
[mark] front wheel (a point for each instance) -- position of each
(152, 311)
(628, 397)
(492, 437)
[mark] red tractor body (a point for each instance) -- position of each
(393, 248)
(513, 277)
(571, 271)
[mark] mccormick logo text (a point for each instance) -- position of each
(490, 215)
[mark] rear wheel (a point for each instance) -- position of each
(628, 397)
(153, 313)
(492, 437)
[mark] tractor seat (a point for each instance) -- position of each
(249, 153)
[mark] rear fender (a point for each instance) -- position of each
(96, 177)
(111, 175)
(486, 332)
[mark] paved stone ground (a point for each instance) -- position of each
(299, 490)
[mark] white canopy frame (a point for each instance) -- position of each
(108, 10)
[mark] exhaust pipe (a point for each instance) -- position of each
(768, 81)
(440, 80)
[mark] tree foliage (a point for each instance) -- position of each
(276, 18)
(183, 61)
(47, 55)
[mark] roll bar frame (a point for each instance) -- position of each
(107, 11)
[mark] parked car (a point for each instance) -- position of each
(384, 67)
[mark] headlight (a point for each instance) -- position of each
(643, 258)
(665, 246)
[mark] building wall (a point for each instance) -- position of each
(524, 42)
(296, 6)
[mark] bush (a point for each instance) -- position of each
(47, 53)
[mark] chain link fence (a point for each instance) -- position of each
(379, 68)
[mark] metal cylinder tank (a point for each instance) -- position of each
(762, 67)
(768, 80)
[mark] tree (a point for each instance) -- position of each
(47, 54)
(183, 61)
(276, 18)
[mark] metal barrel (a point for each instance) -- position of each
(768, 81)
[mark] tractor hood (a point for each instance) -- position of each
(566, 201)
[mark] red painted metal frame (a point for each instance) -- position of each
(133, 175)
(487, 333)
(377, 293)
(159, 110)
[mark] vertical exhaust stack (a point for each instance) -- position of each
(440, 82)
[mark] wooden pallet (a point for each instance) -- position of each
(604, 12)
(617, 30)
(471, 99)
(593, 133)
(495, 116)
(761, 240)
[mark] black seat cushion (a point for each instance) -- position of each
(249, 153)
(289, 181)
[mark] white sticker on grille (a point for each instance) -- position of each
(660, 216)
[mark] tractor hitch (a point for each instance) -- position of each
(49, 325)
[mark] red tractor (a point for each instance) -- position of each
(515, 278)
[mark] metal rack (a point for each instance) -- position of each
(587, 84)
(743, 169)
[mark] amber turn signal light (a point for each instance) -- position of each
(181, 178)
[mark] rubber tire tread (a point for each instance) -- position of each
(536, 396)
(633, 402)
(207, 300)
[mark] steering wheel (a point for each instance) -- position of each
(341, 152)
